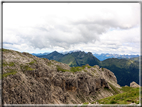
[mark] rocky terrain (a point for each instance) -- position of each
(28, 79)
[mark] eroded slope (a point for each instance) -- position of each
(31, 80)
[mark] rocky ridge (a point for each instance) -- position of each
(28, 79)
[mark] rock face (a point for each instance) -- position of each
(28, 79)
(134, 84)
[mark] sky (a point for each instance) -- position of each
(91, 27)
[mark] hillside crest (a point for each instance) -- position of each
(28, 79)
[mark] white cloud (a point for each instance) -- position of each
(95, 27)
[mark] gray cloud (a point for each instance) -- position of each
(74, 28)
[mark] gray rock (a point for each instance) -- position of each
(134, 84)
(36, 80)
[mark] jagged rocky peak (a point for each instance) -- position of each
(28, 79)
(134, 84)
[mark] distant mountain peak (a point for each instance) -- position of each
(55, 52)
(89, 53)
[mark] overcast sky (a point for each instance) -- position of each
(92, 27)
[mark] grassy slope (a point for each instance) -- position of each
(129, 95)
(79, 59)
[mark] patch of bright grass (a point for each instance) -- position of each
(6, 64)
(9, 73)
(26, 68)
(125, 89)
(32, 62)
(75, 69)
(128, 97)
(11, 64)
(61, 69)
(84, 66)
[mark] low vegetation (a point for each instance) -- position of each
(74, 69)
(114, 89)
(61, 69)
(130, 95)
(5, 50)
(84, 66)
(9, 73)
(32, 62)
(26, 68)
(8, 64)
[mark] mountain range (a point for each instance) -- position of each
(126, 70)
(103, 56)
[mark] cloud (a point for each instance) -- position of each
(70, 26)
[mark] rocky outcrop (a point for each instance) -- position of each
(134, 84)
(31, 80)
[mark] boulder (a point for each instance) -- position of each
(134, 84)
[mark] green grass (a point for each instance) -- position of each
(9, 73)
(26, 68)
(126, 89)
(11, 64)
(75, 69)
(85, 104)
(114, 89)
(32, 62)
(5, 50)
(49, 63)
(131, 96)
(84, 66)
(61, 69)
(6, 64)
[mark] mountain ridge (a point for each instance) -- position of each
(124, 69)
(28, 79)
